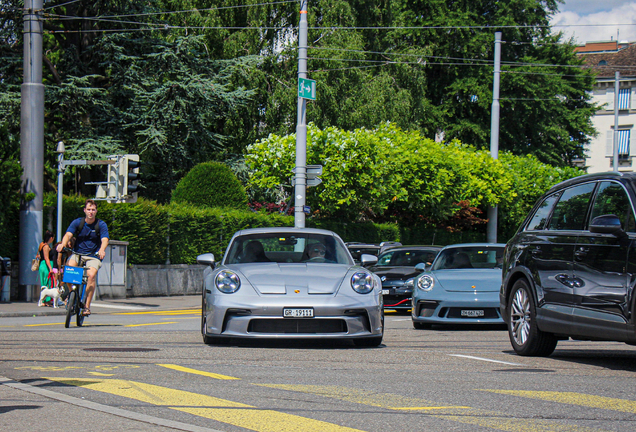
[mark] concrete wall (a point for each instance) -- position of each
(162, 280)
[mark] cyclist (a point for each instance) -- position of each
(91, 239)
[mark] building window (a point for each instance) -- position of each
(623, 98)
(623, 143)
(602, 63)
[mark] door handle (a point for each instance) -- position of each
(537, 251)
(581, 253)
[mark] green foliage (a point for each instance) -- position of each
(388, 174)
(211, 184)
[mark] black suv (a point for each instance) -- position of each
(570, 270)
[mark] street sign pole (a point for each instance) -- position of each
(491, 227)
(301, 126)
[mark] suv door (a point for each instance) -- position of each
(600, 261)
(552, 252)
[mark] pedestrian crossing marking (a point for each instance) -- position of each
(150, 324)
(572, 398)
(198, 372)
(174, 312)
(222, 410)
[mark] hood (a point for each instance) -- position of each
(469, 280)
(282, 278)
(395, 273)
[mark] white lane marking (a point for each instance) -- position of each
(113, 306)
(399, 319)
(485, 359)
(103, 408)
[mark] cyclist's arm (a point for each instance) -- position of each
(102, 250)
(67, 238)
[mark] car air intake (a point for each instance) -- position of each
(291, 325)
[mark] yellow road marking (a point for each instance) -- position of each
(175, 312)
(380, 400)
(150, 324)
(100, 374)
(572, 398)
(38, 325)
(517, 425)
(198, 372)
(234, 413)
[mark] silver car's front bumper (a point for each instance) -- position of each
(262, 316)
(447, 308)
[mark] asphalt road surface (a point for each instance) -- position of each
(140, 370)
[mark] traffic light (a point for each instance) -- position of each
(129, 174)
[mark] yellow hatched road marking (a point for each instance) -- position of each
(572, 398)
(460, 414)
(175, 312)
(150, 324)
(198, 372)
(225, 411)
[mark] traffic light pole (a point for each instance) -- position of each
(300, 188)
(491, 227)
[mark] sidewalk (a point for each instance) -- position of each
(24, 309)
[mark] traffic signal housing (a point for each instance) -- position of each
(109, 189)
(129, 178)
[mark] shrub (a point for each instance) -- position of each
(211, 185)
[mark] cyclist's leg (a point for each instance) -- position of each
(90, 285)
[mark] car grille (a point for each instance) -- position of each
(426, 308)
(291, 325)
(393, 299)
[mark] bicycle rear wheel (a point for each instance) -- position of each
(70, 308)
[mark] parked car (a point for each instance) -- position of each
(290, 283)
(461, 287)
(357, 248)
(569, 272)
(397, 268)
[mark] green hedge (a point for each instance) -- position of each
(179, 233)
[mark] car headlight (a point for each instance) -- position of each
(425, 282)
(362, 282)
(227, 282)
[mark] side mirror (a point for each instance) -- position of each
(420, 267)
(606, 224)
(368, 260)
(206, 259)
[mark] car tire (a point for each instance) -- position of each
(421, 325)
(524, 333)
(368, 342)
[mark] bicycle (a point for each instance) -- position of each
(77, 278)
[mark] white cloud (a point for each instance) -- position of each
(597, 25)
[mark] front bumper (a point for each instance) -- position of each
(458, 308)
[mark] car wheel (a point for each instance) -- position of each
(368, 342)
(525, 336)
(421, 326)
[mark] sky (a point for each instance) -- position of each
(591, 13)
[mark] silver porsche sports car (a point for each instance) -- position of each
(461, 287)
(290, 283)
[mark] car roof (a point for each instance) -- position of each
(474, 245)
(267, 230)
(415, 247)
(611, 175)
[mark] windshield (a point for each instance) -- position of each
(469, 257)
(407, 257)
(283, 247)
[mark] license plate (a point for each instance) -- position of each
(298, 313)
(385, 292)
(472, 313)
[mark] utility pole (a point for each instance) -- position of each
(617, 87)
(31, 148)
(494, 135)
(300, 187)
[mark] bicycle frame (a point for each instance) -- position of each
(76, 277)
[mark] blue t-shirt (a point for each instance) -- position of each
(87, 241)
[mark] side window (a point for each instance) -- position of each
(570, 211)
(612, 199)
(541, 215)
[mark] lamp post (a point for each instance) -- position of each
(60, 177)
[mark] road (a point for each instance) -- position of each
(141, 370)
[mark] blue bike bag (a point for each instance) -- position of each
(73, 275)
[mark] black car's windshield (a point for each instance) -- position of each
(283, 247)
(406, 257)
(469, 257)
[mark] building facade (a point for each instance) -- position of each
(606, 58)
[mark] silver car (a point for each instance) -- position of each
(289, 283)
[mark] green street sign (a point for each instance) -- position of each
(306, 88)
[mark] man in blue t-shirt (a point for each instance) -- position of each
(90, 240)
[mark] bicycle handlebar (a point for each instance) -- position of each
(93, 255)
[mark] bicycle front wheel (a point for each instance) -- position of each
(70, 308)
(80, 317)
